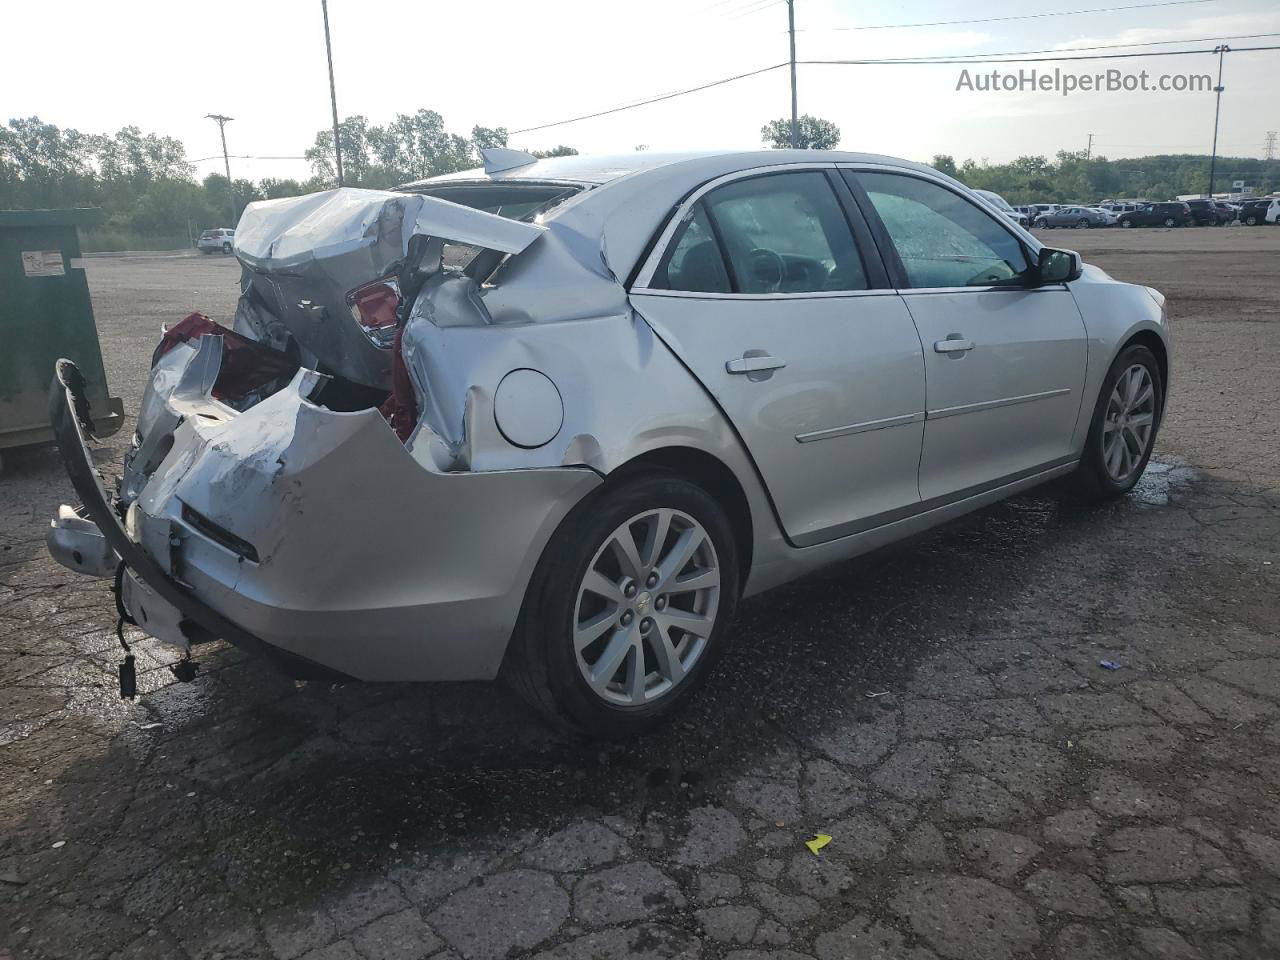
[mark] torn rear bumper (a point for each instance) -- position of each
(314, 538)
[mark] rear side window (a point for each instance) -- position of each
(775, 233)
(693, 262)
(785, 233)
(942, 239)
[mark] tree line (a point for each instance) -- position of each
(1079, 178)
(150, 197)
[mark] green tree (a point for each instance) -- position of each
(814, 133)
(944, 163)
(560, 151)
(273, 188)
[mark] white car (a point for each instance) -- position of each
(212, 241)
(1001, 204)
(1273, 212)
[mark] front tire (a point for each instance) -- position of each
(1042, 224)
(629, 607)
(1126, 418)
(1126, 223)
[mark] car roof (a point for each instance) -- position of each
(596, 169)
(631, 195)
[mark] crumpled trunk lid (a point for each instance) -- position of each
(306, 256)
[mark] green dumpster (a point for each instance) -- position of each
(45, 314)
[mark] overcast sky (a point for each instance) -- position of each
(164, 64)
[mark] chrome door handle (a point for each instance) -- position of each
(952, 346)
(754, 364)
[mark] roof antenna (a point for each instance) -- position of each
(497, 159)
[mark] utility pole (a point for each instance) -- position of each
(333, 95)
(1269, 149)
(226, 161)
(1220, 50)
(1088, 151)
(791, 29)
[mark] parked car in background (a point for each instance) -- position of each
(211, 241)
(1205, 213)
(1173, 213)
(1253, 213)
(1118, 207)
(629, 408)
(1079, 217)
(1001, 204)
(1273, 212)
(1034, 210)
(1228, 212)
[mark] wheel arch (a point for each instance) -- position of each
(713, 475)
(1152, 341)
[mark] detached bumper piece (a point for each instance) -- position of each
(97, 532)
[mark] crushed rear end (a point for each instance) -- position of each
(293, 486)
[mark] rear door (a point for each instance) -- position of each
(1004, 363)
(777, 301)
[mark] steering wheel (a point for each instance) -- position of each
(767, 268)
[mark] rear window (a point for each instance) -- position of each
(516, 201)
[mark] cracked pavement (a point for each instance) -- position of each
(938, 708)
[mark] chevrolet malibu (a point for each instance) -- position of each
(554, 418)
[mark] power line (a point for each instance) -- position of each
(242, 156)
(1016, 58)
(1020, 16)
(1102, 46)
(666, 96)
(1012, 57)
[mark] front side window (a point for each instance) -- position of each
(785, 233)
(942, 239)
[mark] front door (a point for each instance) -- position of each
(764, 294)
(1004, 362)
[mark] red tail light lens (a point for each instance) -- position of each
(373, 306)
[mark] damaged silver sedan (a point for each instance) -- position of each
(555, 418)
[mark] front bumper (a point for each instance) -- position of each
(314, 538)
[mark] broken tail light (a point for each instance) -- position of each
(250, 370)
(373, 307)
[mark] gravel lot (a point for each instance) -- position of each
(937, 708)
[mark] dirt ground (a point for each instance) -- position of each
(937, 708)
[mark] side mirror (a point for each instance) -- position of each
(1058, 266)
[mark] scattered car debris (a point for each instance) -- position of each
(1108, 664)
(819, 841)
(882, 693)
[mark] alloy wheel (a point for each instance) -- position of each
(1129, 423)
(646, 607)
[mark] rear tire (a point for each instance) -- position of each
(1170, 222)
(226, 248)
(1083, 224)
(1120, 414)
(596, 612)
